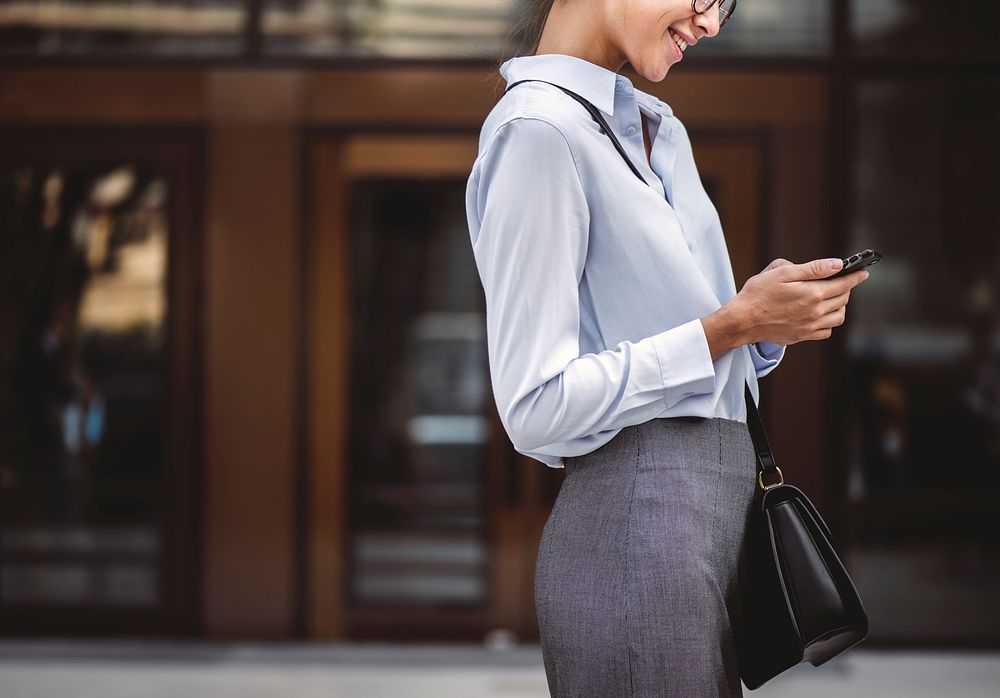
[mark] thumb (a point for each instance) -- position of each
(815, 269)
(779, 262)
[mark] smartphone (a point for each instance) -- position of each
(858, 260)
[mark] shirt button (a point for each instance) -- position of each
(619, 86)
(630, 131)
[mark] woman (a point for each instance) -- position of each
(619, 350)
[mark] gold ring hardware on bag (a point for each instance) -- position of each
(760, 481)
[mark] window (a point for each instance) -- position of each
(121, 28)
(923, 350)
(419, 395)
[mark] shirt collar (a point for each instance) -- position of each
(652, 103)
(589, 80)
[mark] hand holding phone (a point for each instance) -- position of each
(858, 260)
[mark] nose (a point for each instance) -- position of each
(709, 22)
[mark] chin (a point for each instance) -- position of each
(660, 73)
(664, 68)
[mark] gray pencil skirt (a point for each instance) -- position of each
(639, 565)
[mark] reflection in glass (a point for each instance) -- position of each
(772, 28)
(923, 479)
(478, 28)
(392, 28)
(419, 398)
(117, 27)
(926, 27)
(81, 383)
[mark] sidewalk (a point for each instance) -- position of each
(158, 669)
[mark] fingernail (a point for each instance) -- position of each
(834, 263)
(866, 275)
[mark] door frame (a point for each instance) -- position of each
(180, 151)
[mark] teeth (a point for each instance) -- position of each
(679, 41)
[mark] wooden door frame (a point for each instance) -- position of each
(334, 159)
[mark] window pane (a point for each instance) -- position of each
(420, 397)
(479, 28)
(923, 479)
(773, 27)
(394, 28)
(82, 394)
(120, 27)
(926, 27)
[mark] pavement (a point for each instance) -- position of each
(92, 668)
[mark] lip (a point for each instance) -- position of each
(677, 49)
(687, 39)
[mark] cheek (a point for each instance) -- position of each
(649, 30)
(659, 20)
(646, 24)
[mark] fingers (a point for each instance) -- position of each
(823, 328)
(815, 269)
(779, 262)
(831, 288)
(832, 319)
(819, 270)
(829, 305)
(832, 313)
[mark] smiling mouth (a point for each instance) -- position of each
(681, 44)
(677, 52)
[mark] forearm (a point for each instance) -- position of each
(725, 329)
(594, 392)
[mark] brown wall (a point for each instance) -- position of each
(251, 340)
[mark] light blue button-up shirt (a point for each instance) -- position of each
(595, 283)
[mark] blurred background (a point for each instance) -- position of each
(247, 437)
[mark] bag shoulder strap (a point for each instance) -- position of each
(763, 450)
(597, 116)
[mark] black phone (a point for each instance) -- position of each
(858, 260)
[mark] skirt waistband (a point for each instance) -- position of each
(709, 437)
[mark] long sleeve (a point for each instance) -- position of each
(766, 355)
(530, 243)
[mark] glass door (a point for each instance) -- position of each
(96, 429)
(919, 488)
(412, 507)
(419, 426)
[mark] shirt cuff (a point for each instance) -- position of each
(685, 361)
(766, 355)
(769, 350)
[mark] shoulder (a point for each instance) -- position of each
(530, 154)
(533, 111)
(543, 100)
(527, 142)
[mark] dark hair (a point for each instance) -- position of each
(525, 31)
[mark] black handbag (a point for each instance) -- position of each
(799, 604)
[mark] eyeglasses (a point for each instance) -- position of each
(726, 9)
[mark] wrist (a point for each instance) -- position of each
(730, 326)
